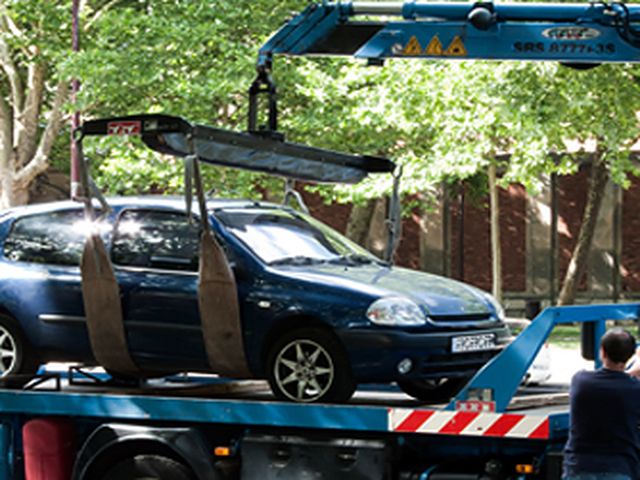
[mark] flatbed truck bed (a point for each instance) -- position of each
(391, 425)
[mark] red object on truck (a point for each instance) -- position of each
(49, 449)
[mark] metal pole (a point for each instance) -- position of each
(553, 240)
(617, 244)
(76, 188)
(461, 203)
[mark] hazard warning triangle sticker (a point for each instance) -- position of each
(435, 47)
(456, 48)
(413, 47)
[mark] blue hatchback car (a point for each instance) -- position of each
(319, 314)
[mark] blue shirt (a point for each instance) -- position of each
(604, 415)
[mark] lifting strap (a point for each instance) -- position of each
(103, 309)
(217, 297)
(101, 295)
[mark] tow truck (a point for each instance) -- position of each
(82, 426)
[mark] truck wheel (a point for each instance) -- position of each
(310, 365)
(16, 355)
(148, 467)
(432, 390)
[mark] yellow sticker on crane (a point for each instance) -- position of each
(456, 48)
(435, 47)
(413, 47)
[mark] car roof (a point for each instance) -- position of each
(174, 202)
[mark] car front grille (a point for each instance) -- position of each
(475, 317)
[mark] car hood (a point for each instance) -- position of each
(438, 295)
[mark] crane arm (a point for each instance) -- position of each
(565, 32)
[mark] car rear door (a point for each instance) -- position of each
(155, 257)
(41, 259)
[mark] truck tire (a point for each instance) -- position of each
(16, 354)
(310, 365)
(434, 391)
(148, 467)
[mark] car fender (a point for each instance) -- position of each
(110, 443)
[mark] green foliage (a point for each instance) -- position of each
(443, 121)
(193, 59)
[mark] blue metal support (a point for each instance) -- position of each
(503, 374)
(193, 410)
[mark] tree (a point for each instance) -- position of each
(191, 59)
(601, 108)
(32, 95)
(442, 121)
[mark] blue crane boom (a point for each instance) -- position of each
(584, 33)
(579, 35)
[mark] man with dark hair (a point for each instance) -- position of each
(604, 440)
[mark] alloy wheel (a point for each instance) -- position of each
(8, 352)
(303, 370)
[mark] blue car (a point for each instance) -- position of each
(319, 314)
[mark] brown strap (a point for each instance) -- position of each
(103, 309)
(219, 311)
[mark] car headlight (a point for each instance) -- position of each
(496, 305)
(396, 312)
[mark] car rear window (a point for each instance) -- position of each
(52, 238)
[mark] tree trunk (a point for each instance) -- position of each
(597, 183)
(359, 221)
(496, 250)
(378, 237)
(6, 191)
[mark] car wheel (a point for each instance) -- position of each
(148, 467)
(433, 390)
(310, 365)
(16, 355)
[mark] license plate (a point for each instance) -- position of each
(473, 343)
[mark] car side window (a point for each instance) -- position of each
(156, 239)
(52, 238)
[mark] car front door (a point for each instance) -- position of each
(155, 255)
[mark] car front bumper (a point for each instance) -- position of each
(376, 354)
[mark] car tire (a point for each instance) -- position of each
(310, 365)
(16, 354)
(436, 390)
(148, 467)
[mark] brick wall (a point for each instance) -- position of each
(477, 240)
(630, 258)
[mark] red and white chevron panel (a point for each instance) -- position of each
(487, 424)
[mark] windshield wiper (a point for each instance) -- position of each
(355, 259)
(298, 260)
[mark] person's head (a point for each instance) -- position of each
(617, 346)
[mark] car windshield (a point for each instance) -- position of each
(286, 237)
